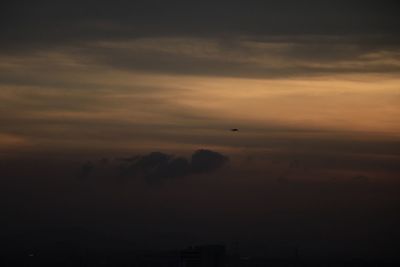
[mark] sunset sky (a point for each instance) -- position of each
(312, 86)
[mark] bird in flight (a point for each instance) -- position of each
(234, 130)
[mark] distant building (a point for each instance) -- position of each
(203, 256)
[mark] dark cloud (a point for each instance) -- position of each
(49, 21)
(312, 32)
(153, 166)
(86, 170)
(318, 32)
(207, 161)
(158, 166)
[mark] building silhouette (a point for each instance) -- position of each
(203, 256)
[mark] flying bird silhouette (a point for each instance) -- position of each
(234, 130)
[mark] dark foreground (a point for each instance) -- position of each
(197, 256)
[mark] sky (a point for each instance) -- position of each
(116, 118)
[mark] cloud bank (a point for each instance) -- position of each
(158, 166)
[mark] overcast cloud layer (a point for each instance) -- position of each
(74, 21)
(229, 38)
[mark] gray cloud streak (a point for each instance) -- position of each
(46, 22)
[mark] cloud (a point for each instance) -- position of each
(241, 57)
(158, 166)
(86, 170)
(149, 166)
(259, 40)
(250, 57)
(47, 23)
(207, 161)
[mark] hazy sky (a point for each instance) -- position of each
(312, 86)
(147, 75)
